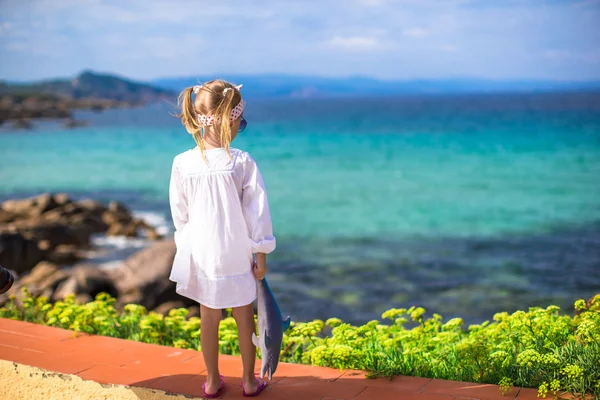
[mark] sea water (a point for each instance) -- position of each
(466, 205)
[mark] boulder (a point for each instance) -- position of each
(122, 229)
(33, 206)
(64, 254)
(90, 222)
(56, 234)
(19, 253)
(147, 265)
(116, 207)
(164, 308)
(92, 207)
(193, 311)
(44, 276)
(111, 217)
(86, 279)
(18, 206)
(6, 216)
(147, 271)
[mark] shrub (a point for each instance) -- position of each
(536, 348)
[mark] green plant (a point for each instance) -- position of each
(536, 348)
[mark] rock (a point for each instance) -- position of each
(148, 271)
(42, 203)
(44, 277)
(111, 217)
(33, 206)
(86, 279)
(39, 273)
(6, 216)
(56, 234)
(64, 254)
(19, 253)
(164, 308)
(153, 234)
(18, 207)
(67, 287)
(120, 229)
(62, 199)
(193, 311)
(89, 222)
(73, 123)
(22, 124)
(116, 207)
(133, 296)
(83, 298)
(92, 206)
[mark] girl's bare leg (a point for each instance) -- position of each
(209, 338)
(244, 317)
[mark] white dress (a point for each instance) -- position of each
(221, 216)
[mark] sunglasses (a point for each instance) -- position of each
(243, 125)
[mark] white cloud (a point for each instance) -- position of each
(145, 39)
(354, 42)
(557, 54)
(373, 3)
(416, 32)
(449, 48)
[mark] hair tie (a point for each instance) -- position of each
(226, 90)
(197, 89)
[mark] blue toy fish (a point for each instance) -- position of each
(270, 328)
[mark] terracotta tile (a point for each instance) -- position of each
(37, 330)
(466, 389)
(274, 392)
(18, 355)
(190, 385)
(117, 375)
(317, 386)
(407, 383)
(153, 356)
(26, 341)
(49, 361)
(531, 394)
(371, 393)
(301, 371)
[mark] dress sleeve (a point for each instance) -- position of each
(177, 200)
(256, 209)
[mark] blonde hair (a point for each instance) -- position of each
(211, 99)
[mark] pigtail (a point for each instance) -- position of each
(189, 119)
(213, 100)
(224, 110)
(188, 113)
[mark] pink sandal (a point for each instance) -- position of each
(214, 395)
(259, 388)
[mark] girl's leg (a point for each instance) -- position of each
(209, 338)
(244, 317)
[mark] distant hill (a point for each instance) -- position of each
(90, 85)
(310, 86)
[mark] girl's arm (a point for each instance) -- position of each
(255, 206)
(177, 200)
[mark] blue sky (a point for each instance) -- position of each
(402, 39)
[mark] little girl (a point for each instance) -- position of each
(223, 224)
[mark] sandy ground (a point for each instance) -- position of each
(22, 382)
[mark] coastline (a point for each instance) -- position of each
(56, 246)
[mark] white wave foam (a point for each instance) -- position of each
(110, 251)
(163, 227)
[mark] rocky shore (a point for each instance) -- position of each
(20, 104)
(44, 240)
(21, 110)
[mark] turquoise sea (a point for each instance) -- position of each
(467, 205)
